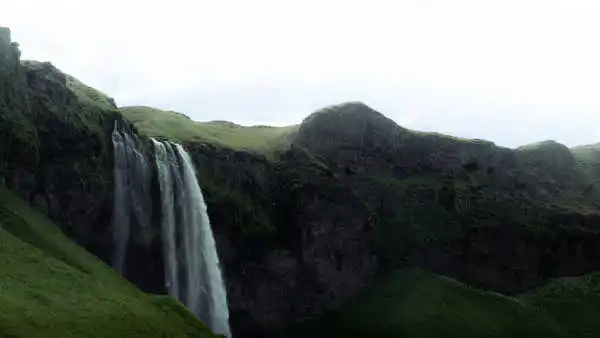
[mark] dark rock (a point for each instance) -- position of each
(5, 36)
(471, 166)
(54, 151)
(497, 229)
(294, 241)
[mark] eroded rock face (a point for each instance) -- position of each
(501, 219)
(5, 36)
(54, 151)
(293, 240)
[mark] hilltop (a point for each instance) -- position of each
(179, 127)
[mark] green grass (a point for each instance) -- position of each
(88, 94)
(573, 303)
(587, 158)
(50, 287)
(441, 137)
(414, 303)
(262, 139)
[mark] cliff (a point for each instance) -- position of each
(497, 218)
(55, 150)
(500, 219)
(305, 217)
(288, 249)
(294, 240)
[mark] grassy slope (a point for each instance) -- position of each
(573, 302)
(417, 304)
(587, 158)
(155, 122)
(88, 94)
(50, 287)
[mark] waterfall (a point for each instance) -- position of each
(132, 192)
(192, 271)
(191, 264)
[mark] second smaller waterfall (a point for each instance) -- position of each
(132, 192)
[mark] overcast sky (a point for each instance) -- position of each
(510, 71)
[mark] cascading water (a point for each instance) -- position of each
(192, 271)
(132, 192)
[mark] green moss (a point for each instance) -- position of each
(263, 139)
(587, 158)
(572, 302)
(413, 303)
(248, 217)
(410, 215)
(88, 94)
(50, 287)
(448, 138)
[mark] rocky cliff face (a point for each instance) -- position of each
(55, 151)
(497, 218)
(294, 240)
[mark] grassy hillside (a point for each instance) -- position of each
(156, 122)
(572, 302)
(587, 158)
(50, 287)
(88, 94)
(413, 303)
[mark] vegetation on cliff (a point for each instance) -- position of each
(55, 147)
(50, 287)
(415, 303)
(499, 219)
(178, 127)
(89, 95)
(304, 217)
(56, 155)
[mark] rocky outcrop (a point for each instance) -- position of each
(293, 239)
(55, 151)
(497, 218)
(5, 36)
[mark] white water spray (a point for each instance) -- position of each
(132, 192)
(192, 270)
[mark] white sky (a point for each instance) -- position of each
(510, 71)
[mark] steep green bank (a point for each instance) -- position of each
(56, 153)
(55, 147)
(176, 126)
(414, 303)
(50, 287)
